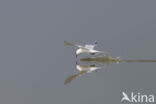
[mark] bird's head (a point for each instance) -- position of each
(95, 42)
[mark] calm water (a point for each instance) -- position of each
(35, 62)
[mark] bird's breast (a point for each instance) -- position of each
(79, 51)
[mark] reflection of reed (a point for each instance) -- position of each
(139, 60)
(110, 59)
(102, 59)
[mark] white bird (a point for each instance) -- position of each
(88, 48)
(125, 97)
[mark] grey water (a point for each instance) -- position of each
(35, 62)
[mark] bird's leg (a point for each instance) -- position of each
(92, 53)
(76, 55)
(76, 63)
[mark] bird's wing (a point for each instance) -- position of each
(89, 46)
(69, 79)
(97, 52)
(78, 46)
(101, 53)
(69, 44)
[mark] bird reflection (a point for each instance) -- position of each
(83, 69)
(92, 64)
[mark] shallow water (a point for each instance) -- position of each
(35, 62)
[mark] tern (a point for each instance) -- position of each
(88, 48)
